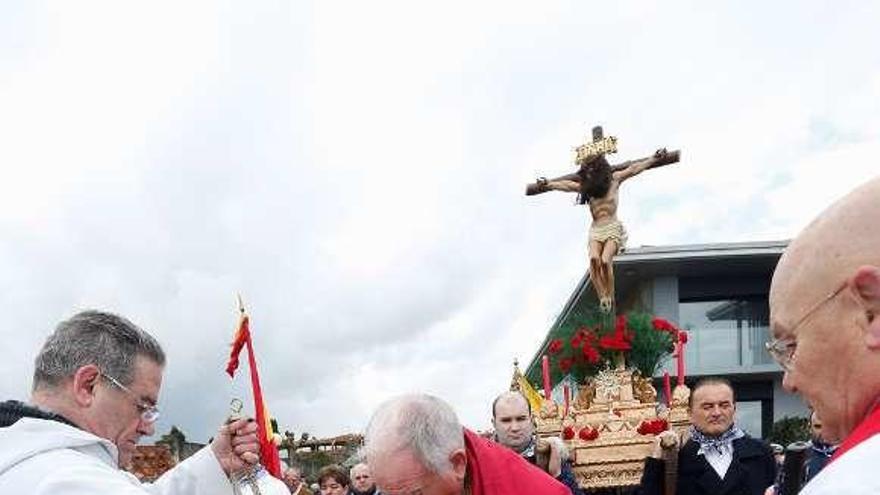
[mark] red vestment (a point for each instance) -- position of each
(496, 470)
(869, 427)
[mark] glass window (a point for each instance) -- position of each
(725, 333)
(748, 417)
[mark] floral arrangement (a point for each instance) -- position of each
(591, 341)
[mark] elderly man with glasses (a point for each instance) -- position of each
(95, 389)
(824, 299)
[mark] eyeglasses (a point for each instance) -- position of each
(149, 412)
(782, 350)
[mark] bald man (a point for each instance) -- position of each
(824, 299)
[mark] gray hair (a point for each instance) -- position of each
(421, 424)
(292, 466)
(106, 340)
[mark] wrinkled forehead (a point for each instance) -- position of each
(712, 393)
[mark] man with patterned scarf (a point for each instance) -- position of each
(718, 458)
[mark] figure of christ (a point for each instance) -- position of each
(598, 184)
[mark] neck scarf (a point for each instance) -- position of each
(718, 443)
(529, 450)
(822, 448)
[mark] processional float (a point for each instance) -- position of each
(611, 421)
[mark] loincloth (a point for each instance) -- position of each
(611, 230)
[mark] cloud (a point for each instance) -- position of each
(356, 172)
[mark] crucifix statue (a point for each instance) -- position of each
(597, 183)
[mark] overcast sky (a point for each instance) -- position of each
(356, 171)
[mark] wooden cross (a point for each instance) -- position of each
(599, 147)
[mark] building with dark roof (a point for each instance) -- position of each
(718, 293)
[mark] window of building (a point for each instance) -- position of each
(749, 417)
(725, 333)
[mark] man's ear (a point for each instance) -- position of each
(866, 283)
(84, 381)
(458, 459)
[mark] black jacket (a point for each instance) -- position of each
(12, 410)
(750, 473)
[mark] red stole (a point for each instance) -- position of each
(493, 469)
(869, 427)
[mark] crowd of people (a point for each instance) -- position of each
(97, 380)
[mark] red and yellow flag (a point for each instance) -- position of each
(268, 451)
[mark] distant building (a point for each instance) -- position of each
(180, 448)
(718, 292)
(311, 454)
(151, 461)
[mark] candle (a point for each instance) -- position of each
(680, 357)
(545, 368)
(566, 393)
(667, 388)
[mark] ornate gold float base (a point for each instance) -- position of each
(613, 404)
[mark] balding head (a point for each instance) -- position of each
(511, 397)
(823, 298)
(414, 441)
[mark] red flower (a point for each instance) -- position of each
(620, 339)
(555, 346)
(590, 353)
(567, 433)
(565, 364)
(583, 336)
(586, 434)
(652, 427)
(620, 324)
(662, 325)
(616, 342)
